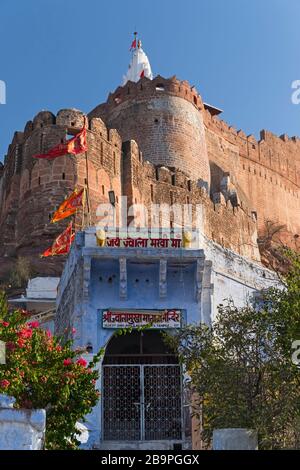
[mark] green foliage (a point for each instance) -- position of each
(42, 371)
(241, 368)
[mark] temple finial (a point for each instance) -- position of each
(139, 66)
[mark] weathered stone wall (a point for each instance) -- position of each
(178, 143)
(32, 189)
(267, 172)
(224, 220)
(163, 117)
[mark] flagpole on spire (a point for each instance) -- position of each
(134, 42)
(139, 66)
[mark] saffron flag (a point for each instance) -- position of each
(62, 243)
(69, 206)
(142, 74)
(133, 45)
(77, 144)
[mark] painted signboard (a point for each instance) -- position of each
(156, 319)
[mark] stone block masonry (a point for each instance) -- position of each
(164, 147)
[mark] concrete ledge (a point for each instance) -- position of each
(235, 439)
(20, 429)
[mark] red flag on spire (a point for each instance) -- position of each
(133, 44)
(142, 74)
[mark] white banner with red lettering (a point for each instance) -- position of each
(119, 318)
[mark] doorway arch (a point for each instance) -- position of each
(142, 391)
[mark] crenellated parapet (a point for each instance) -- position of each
(146, 89)
(279, 154)
(226, 217)
(31, 189)
(164, 117)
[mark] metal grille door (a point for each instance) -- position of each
(121, 396)
(162, 392)
(142, 402)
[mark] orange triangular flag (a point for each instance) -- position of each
(77, 144)
(69, 206)
(62, 243)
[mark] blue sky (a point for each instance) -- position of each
(242, 55)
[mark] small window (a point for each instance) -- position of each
(160, 87)
(195, 99)
(63, 176)
(103, 190)
(72, 123)
(151, 192)
(189, 184)
(39, 180)
(156, 121)
(171, 197)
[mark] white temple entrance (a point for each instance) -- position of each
(142, 395)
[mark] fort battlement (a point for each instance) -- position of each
(146, 89)
(163, 116)
(279, 154)
(155, 142)
(31, 189)
(226, 219)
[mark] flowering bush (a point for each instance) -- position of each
(43, 371)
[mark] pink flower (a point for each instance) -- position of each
(4, 383)
(73, 330)
(33, 324)
(25, 333)
(49, 334)
(67, 362)
(58, 348)
(5, 323)
(21, 343)
(81, 362)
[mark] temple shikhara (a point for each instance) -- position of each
(148, 210)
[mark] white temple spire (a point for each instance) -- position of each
(139, 66)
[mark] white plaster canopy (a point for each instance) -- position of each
(139, 65)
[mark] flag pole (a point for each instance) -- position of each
(70, 242)
(83, 207)
(87, 182)
(87, 190)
